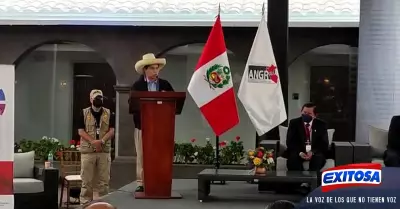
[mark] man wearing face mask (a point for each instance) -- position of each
(307, 140)
(148, 68)
(96, 128)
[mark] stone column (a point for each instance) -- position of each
(378, 88)
(125, 143)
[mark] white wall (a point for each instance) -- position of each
(191, 124)
(299, 82)
(34, 90)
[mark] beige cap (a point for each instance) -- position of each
(95, 92)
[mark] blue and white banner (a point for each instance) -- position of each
(7, 93)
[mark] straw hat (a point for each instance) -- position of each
(149, 59)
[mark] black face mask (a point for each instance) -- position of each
(97, 102)
(306, 118)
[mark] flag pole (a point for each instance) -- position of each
(263, 9)
(217, 164)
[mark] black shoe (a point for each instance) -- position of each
(139, 189)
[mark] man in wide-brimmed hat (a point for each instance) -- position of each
(148, 68)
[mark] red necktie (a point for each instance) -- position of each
(307, 127)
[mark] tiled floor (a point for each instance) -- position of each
(73, 200)
(233, 195)
(230, 196)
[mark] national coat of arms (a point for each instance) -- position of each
(218, 76)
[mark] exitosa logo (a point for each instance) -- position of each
(2, 102)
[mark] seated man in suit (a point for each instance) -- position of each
(392, 154)
(148, 68)
(307, 140)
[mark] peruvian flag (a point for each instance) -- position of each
(211, 85)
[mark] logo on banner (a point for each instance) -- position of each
(2, 102)
(353, 175)
(262, 74)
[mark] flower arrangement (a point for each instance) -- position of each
(232, 152)
(189, 152)
(205, 154)
(42, 147)
(261, 158)
(45, 146)
(74, 145)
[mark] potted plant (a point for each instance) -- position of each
(232, 153)
(42, 148)
(205, 154)
(261, 160)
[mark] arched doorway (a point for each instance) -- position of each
(327, 76)
(53, 82)
(181, 62)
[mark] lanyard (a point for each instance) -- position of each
(97, 129)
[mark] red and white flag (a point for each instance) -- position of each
(211, 85)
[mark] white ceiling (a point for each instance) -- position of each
(75, 47)
(196, 49)
(234, 13)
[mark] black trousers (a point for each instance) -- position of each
(317, 162)
(391, 158)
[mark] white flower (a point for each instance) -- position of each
(54, 140)
(72, 146)
(19, 150)
(207, 139)
(226, 142)
(214, 147)
(77, 148)
(270, 160)
(196, 153)
(44, 137)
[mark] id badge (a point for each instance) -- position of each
(98, 131)
(308, 148)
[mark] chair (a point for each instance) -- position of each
(378, 140)
(281, 161)
(70, 165)
(34, 186)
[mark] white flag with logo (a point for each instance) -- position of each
(260, 89)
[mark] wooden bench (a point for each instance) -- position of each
(206, 176)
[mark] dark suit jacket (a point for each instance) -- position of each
(296, 137)
(394, 134)
(141, 85)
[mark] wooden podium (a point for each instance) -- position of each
(158, 110)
